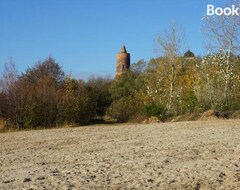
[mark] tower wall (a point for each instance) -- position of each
(123, 61)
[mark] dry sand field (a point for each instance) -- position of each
(184, 155)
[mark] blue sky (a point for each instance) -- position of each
(84, 36)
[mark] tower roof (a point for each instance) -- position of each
(189, 54)
(123, 49)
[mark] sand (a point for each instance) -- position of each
(184, 155)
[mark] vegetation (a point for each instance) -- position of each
(44, 97)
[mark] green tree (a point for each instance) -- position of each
(76, 105)
(98, 90)
(123, 90)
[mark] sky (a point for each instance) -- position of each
(84, 36)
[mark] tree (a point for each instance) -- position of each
(139, 67)
(42, 82)
(75, 103)
(10, 104)
(124, 103)
(49, 67)
(9, 75)
(44, 103)
(156, 83)
(98, 90)
(223, 36)
(169, 44)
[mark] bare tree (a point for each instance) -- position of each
(169, 45)
(9, 75)
(8, 84)
(14, 95)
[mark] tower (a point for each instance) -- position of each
(189, 54)
(123, 61)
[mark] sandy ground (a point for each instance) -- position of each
(184, 155)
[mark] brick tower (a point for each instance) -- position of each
(123, 61)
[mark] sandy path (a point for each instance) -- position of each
(184, 155)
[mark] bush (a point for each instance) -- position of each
(122, 109)
(232, 106)
(154, 110)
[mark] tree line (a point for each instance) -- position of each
(43, 96)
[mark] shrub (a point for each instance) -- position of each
(154, 110)
(122, 109)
